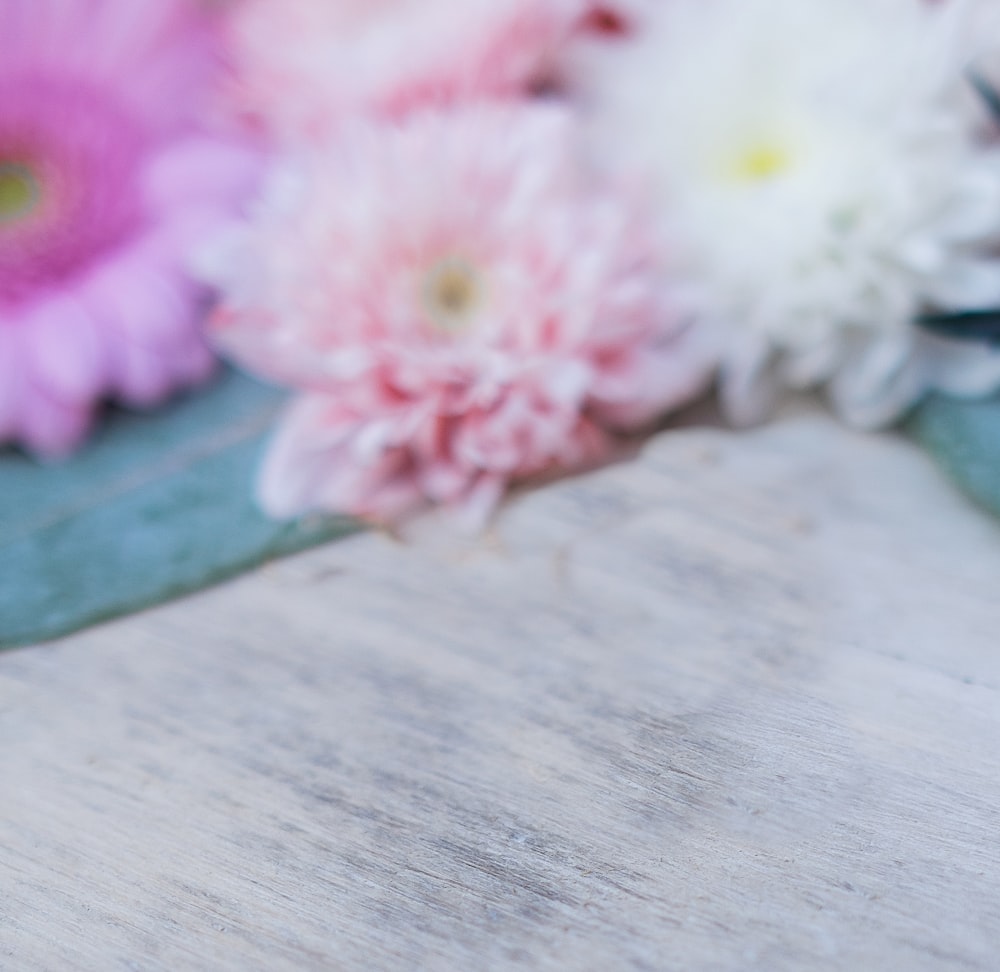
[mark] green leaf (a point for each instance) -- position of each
(157, 506)
(964, 438)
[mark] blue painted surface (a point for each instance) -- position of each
(158, 505)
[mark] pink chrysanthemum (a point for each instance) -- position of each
(459, 305)
(303, 64)
(105, 179)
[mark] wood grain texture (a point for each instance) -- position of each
(733, 706)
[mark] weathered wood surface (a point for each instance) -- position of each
(734, 706)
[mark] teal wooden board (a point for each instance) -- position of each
(156, 506)
(964, 437)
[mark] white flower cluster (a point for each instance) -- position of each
(824, 173)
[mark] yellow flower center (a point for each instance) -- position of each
(453, 294)
(763, 162)
(18, 191)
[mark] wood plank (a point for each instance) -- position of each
(732, 706)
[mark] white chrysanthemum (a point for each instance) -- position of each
(823, 178)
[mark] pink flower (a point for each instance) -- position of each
(105, 179)
(460, 306)
(303, 64)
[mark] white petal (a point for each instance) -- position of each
(963, 368)
(879, 383)
(969, 282)
(748, 384)
(301, 460)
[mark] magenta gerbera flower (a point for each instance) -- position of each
(460, 306)
(107, 176)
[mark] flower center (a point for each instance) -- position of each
(19, 191)
(761, 162)
(452, 294)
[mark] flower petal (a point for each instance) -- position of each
(969, 283)
(879, 382)
(52, 428)
(748, 381)
(966, 369)
(310, 442)
(11, 379)
(202, 170)
(66, 354)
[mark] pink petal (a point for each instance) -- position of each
(65, 350)
(143, 376)
(205, 170)
(140, 301)
(52, 428)
(193, 363)
(11, 379)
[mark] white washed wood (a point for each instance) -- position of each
(733, 706)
